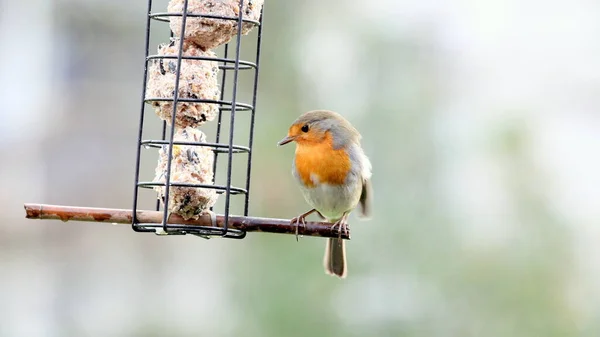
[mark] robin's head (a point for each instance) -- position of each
(316, 126)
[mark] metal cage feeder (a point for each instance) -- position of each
(232, 106)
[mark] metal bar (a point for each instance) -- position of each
(141, 124)
(163, 135)
(225, 60)
(154, 219)
(220, 119)
(252, 116)
(233, 111)
(233, 190)
(215, 146)
(240, 106)
(175, 101)
(164, 17)
(164, 123)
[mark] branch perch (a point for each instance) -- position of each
(123, 216)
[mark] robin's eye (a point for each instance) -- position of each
(305, 128)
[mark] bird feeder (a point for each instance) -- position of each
(184, 85)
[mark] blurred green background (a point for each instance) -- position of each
(480, 118)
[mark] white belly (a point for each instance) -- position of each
(332, 201)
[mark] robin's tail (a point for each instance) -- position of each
(335, 258)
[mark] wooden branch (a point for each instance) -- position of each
(123, 216)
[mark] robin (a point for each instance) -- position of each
(333, 173)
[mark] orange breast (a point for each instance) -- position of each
(320, 160)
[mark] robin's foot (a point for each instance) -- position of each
(301, 219)
(342, 227)
(297, 221)
(342, 224)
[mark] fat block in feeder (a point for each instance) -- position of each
(198, 80)
(190, 165)
(208, 32)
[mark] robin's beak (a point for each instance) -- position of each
(286, 140)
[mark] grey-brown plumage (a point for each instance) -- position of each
(324, 120)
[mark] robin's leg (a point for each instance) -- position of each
(342, 223)
(301, 219)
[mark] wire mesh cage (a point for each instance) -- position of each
(181, 141)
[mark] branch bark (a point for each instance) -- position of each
(123, 216)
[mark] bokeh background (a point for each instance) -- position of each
(481, 120)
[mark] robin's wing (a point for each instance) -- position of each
(365, 199)
(366, 194)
